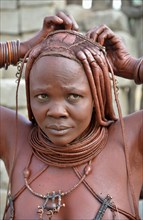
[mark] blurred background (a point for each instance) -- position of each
(20, 19)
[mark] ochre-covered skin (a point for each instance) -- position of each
(67, 88)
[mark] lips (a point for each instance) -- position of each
(58, 129)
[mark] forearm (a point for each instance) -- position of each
(26, 45)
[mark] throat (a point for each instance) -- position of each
(77, 153)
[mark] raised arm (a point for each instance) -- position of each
(12, 51)
(122, 62)
(50, 23)
(126, 66)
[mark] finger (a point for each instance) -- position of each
(49, 20)
(92, 34)
(100, 34)
(53, 23)
(74, 23)
(66, 20)
(106, 36)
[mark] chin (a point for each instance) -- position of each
(60, 142)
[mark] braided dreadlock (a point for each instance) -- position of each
(91, 55)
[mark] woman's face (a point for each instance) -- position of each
(61, 99)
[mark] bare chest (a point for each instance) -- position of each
(66, 192)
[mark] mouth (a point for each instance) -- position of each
(58, 130)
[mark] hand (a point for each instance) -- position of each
(58, 22)
(121, 61)
(50, 23)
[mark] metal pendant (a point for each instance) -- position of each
(51, 205)
(103, 207)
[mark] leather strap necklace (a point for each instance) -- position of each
(52, 201)
(91, 143)
(82, 150)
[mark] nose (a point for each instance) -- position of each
(57, 110)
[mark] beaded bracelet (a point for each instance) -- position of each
(9, 53)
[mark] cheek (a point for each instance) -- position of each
(84, 114)
(38, 111)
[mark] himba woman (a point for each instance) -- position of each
(73, 158)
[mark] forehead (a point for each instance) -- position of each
(57, 67)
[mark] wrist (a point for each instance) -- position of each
(132, 69)
(138, 73)
(24, 47)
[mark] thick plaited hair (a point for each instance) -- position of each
(92, 56)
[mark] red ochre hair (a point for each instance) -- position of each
(92, 56)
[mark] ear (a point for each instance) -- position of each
(33, 120)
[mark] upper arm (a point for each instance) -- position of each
(7, 127)
(11, 129)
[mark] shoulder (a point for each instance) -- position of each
(138, 115)
(133, 130)
(9, 119)
(133, 123)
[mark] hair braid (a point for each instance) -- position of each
(91, 55)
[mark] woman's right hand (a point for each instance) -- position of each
(50, 23)
(60, 21)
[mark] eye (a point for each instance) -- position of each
(74, 97)
(43, 97)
